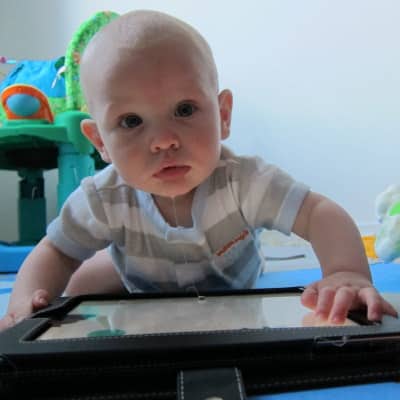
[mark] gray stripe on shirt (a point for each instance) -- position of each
(124, 195)
(275, 193)
(144, 245)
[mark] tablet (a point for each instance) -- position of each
(96, 318)
(136, 345)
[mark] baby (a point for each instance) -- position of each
(175, 209)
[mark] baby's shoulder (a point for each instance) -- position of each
(106, 179)
(108, 187)
(242, 165)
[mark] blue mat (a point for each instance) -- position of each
(6, 282)
(386, 277)
(11, 257)
(374, 391)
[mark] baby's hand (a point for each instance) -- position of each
(40, 299)
(335, 295)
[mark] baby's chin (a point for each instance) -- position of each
(175, 189)
(174, 195)
(174, 192)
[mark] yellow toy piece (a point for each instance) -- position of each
(369, 245)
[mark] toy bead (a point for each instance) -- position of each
(23, 105)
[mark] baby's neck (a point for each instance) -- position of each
(176, 211)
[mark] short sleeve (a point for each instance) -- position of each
(81, 228)
(269, 197)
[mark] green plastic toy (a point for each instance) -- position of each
(387, 208)
(395, 210)
(39, 132)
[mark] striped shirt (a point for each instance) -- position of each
(221, 250)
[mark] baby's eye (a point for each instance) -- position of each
(130, 121)
(185, 110)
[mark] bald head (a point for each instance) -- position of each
(134, 33)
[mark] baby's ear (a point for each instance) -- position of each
(225, 101)
(89, 129)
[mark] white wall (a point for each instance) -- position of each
(316, 83)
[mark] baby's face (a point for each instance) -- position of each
(160, 119)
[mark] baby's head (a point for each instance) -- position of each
(151, 86)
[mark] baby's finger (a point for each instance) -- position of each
(325, 300)
(344, 299)
(309, 297)
(373, 302)
(376, 305)
(389, 309)
(40, 299)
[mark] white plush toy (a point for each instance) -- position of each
(387, 207)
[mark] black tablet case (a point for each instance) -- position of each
(149, 366)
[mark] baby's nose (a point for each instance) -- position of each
(165, 141)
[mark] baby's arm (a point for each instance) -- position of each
(42, 277)
(346, 282)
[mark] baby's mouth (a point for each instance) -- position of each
(172, 172)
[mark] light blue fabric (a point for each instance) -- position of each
(40, 74)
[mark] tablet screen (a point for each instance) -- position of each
(183, 314)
